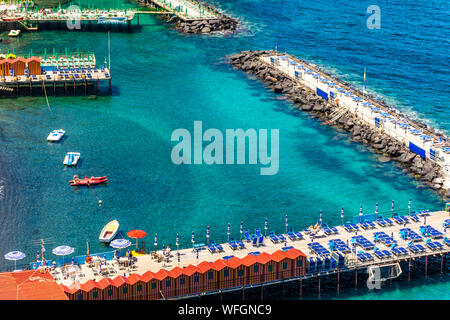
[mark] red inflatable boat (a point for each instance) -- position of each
(87, 181)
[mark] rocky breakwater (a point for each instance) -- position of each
(306, 100)
(221, 24)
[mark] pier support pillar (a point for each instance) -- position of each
(301, 288)
(74, 89)
(31, 88)
(262, 292)
(85, 87)
(409, 270)
(338, 282)
(54, 88)
(442, 263)
(65, 87)
(110, 85)
(243, 293)
(318, 286)
(426, 266)
(356, 278)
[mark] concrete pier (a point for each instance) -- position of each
(422, 149)
(189, 258)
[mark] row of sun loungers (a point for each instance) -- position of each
(367, 225)
(236, 244)
(330, 230)
(384, 222)
(339, 245)
(383, 238)
(213, 247)
(318, 249)
(382, 254)
(363, 242)
(399, 251)
(364, 256)
(408, 234)
(293, 235)
(401, 220)
(434, 245)
(416, 248)
(431, 232)
(350, 227)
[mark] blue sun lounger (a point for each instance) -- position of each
(240, 244)
(255, 242)
(219, 247)
(247, 236)
(233, 245)
(212, 248)
(260, 241)
(281, 237)
(299, 235)
(379, 254)
(273, 237)
(414, 218)
(258, 233)
(292, 236)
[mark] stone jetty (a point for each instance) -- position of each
(305, 99)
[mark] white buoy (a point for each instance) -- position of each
(99, 202)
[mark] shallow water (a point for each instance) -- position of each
(163, 80)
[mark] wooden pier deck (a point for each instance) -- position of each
(189, 257)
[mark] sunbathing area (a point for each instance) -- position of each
(349, 246)
(424, 143)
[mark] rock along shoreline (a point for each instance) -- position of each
(221, 24)
(307, 100)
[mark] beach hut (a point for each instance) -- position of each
(34, 65)
(151, 285)
(283, 264)
(179, 282)
(263, 260)
(132, 281)
(223, 274)
(233, 264)
(210, 276)
(165, 283)
(18, 65)
(5, 66)
(298, 262)
(195, 278)
(254, 269)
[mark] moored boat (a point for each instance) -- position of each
(87, 181)
(14, 33)
(56, 135)
(109, 231)
(71, 158)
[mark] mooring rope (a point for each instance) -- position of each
(46, 98)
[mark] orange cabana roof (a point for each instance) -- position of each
(133, 278)
(30, 285)
(204, 266)
(146, 277)
(176, 272)
(218, 265)
(233, 262)
(190, 270)
(248, 260)
(161, 274)
(263, 258)
(36, 59)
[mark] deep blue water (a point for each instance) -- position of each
(163, 80)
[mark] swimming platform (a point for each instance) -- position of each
(363, 244)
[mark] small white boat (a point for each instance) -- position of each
(56, 135)
(71, 158)
(14, 33)
(109, 231)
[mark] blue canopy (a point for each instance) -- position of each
(63, 250)
(366, 104)
(348, 94)
(14, 255)
(120, 243)
(340, 89)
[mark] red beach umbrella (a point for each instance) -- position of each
(137, 234)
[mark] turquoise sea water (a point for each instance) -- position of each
(163, 80)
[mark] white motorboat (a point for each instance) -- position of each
(109, 231)
(71, 158)
(56, 135)
(14, 33)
